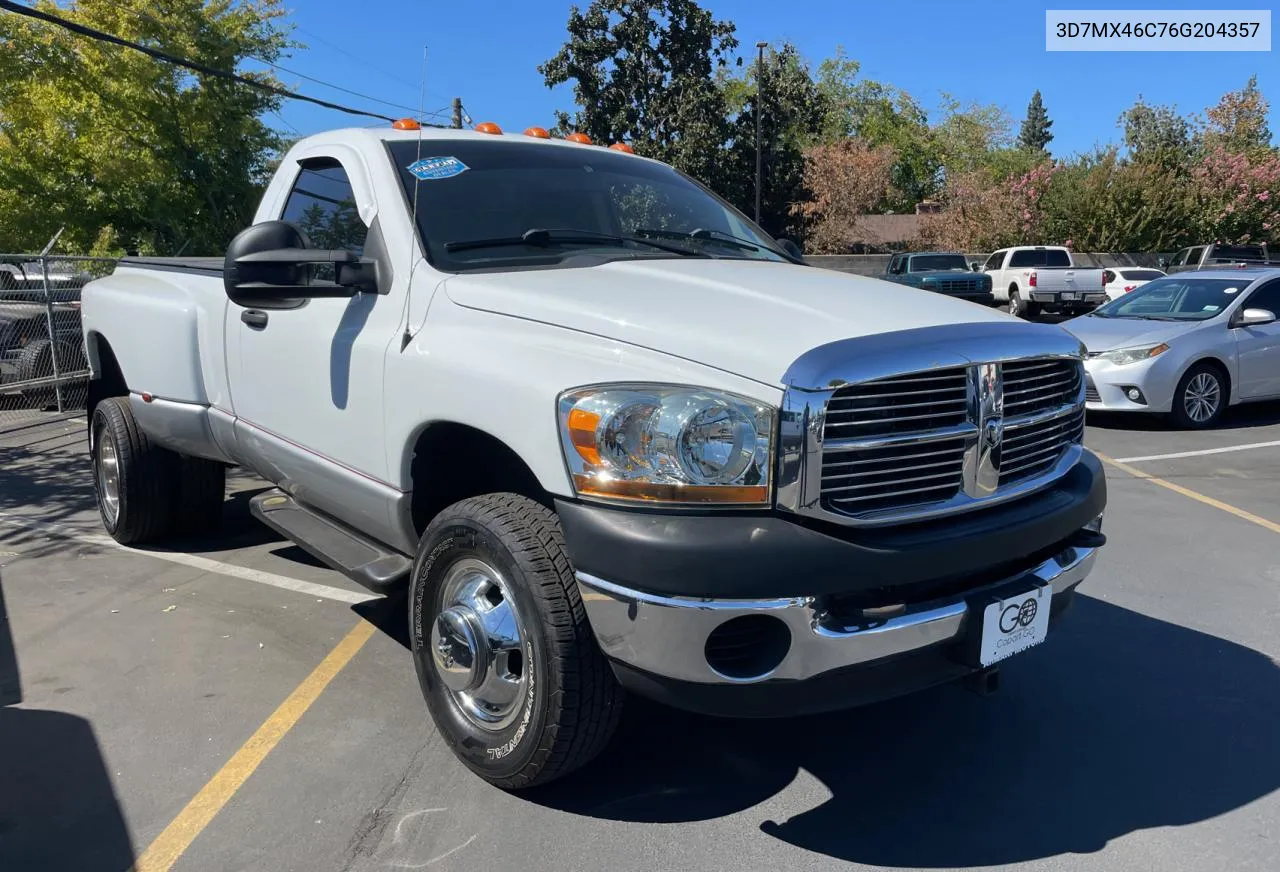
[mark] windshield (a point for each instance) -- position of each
(1175, 299)
(588, 199)
(1049, 257)
(938, 262)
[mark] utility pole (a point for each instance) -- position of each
(457, 113)
(760, 46)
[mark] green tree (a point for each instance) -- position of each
(975, 137)
(1157, 134)
(643, 72)
(791, 118)
(1238, 123)
(1035, 135)
(95, 135)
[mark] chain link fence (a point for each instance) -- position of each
(43, 365)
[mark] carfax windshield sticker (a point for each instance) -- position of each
(1211, 308)
(430, 168)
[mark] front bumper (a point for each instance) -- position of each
(668, 636)
(1107, 385)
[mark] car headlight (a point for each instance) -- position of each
(667, 444)
(1122, 356)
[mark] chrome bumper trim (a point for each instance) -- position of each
(667, 636)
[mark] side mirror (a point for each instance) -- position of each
(1162, 261)
(791, 248)
(1253, 318)
(975, 266)
(270, 264)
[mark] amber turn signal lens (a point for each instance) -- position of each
(671, 493)
(579, 137)
(488, 127)
(582, 433)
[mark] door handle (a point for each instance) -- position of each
(254, 318)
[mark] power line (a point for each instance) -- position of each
(100, 36)
(284, 69)
(340, 50)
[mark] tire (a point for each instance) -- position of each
(1205, 381)
(139, 506)
(1019, 307)
(566, 699)
(202, 490)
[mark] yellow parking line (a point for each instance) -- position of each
(1198, 497)
(191, 821)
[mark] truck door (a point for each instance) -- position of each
(1258, 346)
(307, 381)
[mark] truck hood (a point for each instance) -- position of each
(1108, 334)
(751, 318)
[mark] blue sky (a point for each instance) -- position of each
(987, 52)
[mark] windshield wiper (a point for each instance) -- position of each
(543, 238)
(702, 233)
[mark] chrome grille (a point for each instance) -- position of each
(884, 477)
(1032, 386)
(1032, 448)
(927, 401)
(918, 443)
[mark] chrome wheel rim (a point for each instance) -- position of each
(1202, 397)
(479, 647)
(1015, 304)
(108, 471)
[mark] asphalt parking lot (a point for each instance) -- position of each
(232, 705)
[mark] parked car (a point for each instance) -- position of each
(1217, 255)
(607, 432)
(941, 272)
(1121, 280)
(1036, 278)
(1189, 345)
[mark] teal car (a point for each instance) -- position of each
(943, 272)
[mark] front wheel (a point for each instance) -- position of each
(508, 664)
(1201, 397)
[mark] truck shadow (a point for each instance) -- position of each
(58, 809)
(1119, 723)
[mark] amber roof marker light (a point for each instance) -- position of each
(538, 132)
(488, 127)
(623, 147)
(406, 124)
(579, 137)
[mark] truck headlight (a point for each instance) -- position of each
(667, 444)
(1122, 356)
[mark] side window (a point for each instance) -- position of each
(1194, 255)
(1266, 297)
(323, 206)
(994, 261)
(893, 264)
(901, 267)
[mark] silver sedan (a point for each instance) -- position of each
(1189, 345)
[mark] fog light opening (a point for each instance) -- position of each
(1135, 395)
(748, 647)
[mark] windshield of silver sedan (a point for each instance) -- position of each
(1175, 299)
(511, 205)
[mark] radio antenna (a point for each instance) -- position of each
(413, 214)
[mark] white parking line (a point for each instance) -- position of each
(258, 576)
(1179, 454)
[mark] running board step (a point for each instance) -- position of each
(361, 559)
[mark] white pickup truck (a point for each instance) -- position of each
(607, 432)
(1036, 278)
